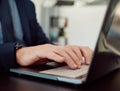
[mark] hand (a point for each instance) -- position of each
(72, 55)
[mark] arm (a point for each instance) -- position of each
(38, 36)
(7, 56)
(72, 55)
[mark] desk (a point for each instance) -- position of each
(18, 83)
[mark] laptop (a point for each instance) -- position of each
(106, 56)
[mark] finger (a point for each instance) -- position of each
(68, 59)
(77, 51)
(73, 55)
(55, 57)
(89, 54)
(86, 53)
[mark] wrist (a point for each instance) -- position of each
(26, 56)
(18, 46)
(18, 56)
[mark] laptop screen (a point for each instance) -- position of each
(109, 41)
(107, 53)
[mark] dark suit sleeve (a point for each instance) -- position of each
(7, 56)
(39, 36)
(7, 50)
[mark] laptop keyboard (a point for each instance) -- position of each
(65, 71)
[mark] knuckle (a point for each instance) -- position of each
(60, 60)
(48, 45)
(87, 54)
(68, 46)
(61, 48)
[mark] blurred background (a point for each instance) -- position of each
(74, 22)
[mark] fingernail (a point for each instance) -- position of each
(75, 66)
(79, 66)
(82, 62)
(88, 62)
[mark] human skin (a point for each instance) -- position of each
(71, 55)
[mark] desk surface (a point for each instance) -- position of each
(19, 83)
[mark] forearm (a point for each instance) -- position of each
(7, 56)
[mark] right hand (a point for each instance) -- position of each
(72, 55)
